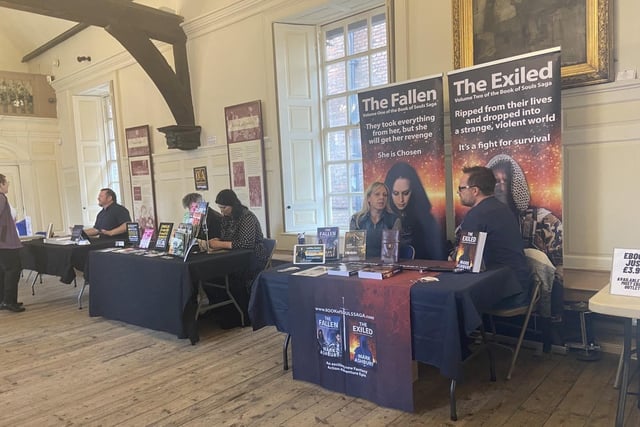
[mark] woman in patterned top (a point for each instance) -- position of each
(240, 230)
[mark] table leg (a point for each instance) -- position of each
(626, 355)
(452, 401)
(285, 354)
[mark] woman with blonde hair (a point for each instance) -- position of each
(375, 216)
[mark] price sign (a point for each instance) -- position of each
(625, 272)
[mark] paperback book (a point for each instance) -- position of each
(345, 269)
(390, 244)
(164, 235)
(469, 251)
(379, 272)
(133, 233)
(147, 236)
(355, 248)
(329, 236)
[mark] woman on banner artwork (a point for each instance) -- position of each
(408, 199)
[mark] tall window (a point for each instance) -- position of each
(353, 58)
(113, 175)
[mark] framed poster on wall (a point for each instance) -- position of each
(246, 157)
(141, 173)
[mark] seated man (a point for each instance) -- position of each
(214, 218)
(112, 219)
(504, 245)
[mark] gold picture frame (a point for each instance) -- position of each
(594, 64)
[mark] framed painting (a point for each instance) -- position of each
(137, 141)
(200, 178)
(488, 30)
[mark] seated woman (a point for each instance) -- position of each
(410, 202)
(240, 229)
(375, 216)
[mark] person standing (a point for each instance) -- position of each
(9, 253)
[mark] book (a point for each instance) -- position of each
(344, 269)
(181, 241)
(145, 240)
(379, 272)
(164, 234)
(316, 271)
(362, 342)
(330, 237)
(390, 244)
(469, 251)
(355, 245)
(133, 233)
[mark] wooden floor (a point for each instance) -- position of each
(60, 367)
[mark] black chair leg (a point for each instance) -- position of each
(285, 348)
(492, 361)
(452, 401)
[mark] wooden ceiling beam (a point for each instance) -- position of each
(54, 42)
(156, 24)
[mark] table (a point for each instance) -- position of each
(156, 292)
(58, 260)
(441, 312)
(627, 308)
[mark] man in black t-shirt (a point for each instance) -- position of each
(112, 219)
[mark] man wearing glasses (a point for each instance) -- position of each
(504, 245)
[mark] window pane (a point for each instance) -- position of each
(338, 182)
(378, 31)
(356, 178)
(379, 75)
(334, 44)
(358, 37)
(110, 132)
(337, 111)
(336, 78)
(358, 69)
(355, 146)
(336, 146)
(113, 171)
(339, 213)
(354, 114)
(356, 203)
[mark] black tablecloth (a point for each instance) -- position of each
(441, 312)
(59, 260)
(155, 292)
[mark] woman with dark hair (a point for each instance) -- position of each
(240, 230)
(375, 216)
(409, 201)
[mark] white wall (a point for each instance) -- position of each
(231, 61)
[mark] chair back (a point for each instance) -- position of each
(270, 246)
(406, 252)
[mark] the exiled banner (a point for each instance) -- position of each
(506, 115)
(402, 133)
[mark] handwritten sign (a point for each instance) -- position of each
(625, 272)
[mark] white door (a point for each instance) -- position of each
(90, 145)
(15, 190)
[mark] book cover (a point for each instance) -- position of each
(145, 240)
(362, 343)
(355, 245)
(469, 251)
(379, 272)
(133, 233)
(316, 271)
(330, 237)
(344, 269)
(164, 234)
(329, 335)
(390, 244)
